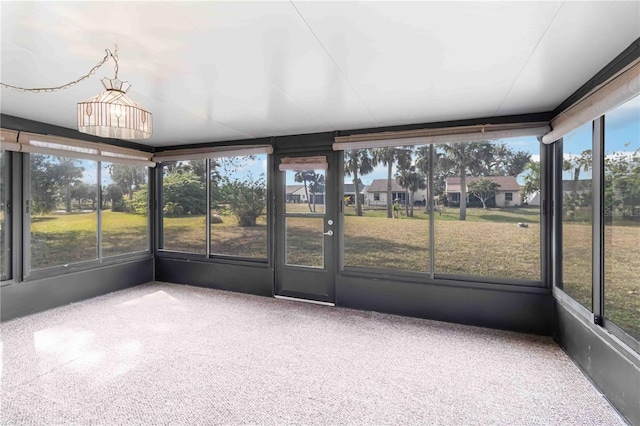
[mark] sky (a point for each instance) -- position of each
(621, 133)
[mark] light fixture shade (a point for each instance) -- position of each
(112, 114)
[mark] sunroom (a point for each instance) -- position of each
(255, 122)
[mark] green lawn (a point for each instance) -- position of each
(489, 243)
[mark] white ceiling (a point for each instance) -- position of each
(217, 71)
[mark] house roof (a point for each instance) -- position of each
(349, 188)
(380, 185)
(507, 183)
(569, 185)
(294, 188)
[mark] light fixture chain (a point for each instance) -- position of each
(71, 84)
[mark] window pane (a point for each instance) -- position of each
(125, 209)
(63, 210)
(184, 206)
(622, 217)
(305, 241)
(487, 221)
(386, 223)
(577, 215)
(305, 191)
(3, 224)
(239, 206)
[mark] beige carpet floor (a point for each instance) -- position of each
(169, 354)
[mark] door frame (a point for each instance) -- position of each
(285, 274)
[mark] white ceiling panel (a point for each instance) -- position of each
(426, 60)
(217, 71)
(582, 39)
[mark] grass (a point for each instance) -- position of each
(188, 234)
(489, 243)
(58, 239)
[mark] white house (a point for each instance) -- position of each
(375, 194)
(297, 194)
(507, 194)
(533, 199)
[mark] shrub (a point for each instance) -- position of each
(247, 199)
(172, 209)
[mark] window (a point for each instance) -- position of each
(184, 206)
(304, 222)
(373, 238)
(622, 217)
(63, 211)
(236, 212)
(125, 209)
(482, 225)
(576, 211)
(239, 206)
(65, 207)
(5, 259)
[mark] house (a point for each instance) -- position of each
(533, 199)
(580, 187)
(376, 193)
(350, 193)
(297, 194)
(507, 194)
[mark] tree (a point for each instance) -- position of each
(499, 160)
(386, 157)
(531, 179)
(622, 184)
(464, 158)
(185, 191)
(140, 202)
(316, 186)
(67, 172)
(413, 181)
(357, 162)
(483, 189)
(81, 191)
(43, 184)
(114, 195)
(309, 177)
(404, 157)
(247, 199)
(128, 178)
(575, 165)
(517, 163)
(439, 168)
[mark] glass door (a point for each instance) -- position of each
(306, 226)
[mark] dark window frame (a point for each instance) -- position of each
(27, 273)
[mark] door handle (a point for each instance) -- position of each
(329, 233)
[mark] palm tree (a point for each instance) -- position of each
(357, 161)
(404, 156)
(387, 157)
(577, 164)
(423, 164)
(413, 181)
(305, 176)
(531, 179)
(464, 157)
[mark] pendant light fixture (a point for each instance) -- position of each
(111, 114)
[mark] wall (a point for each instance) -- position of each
(28, 297)
(612, 366)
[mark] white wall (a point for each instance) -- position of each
(501, 202)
